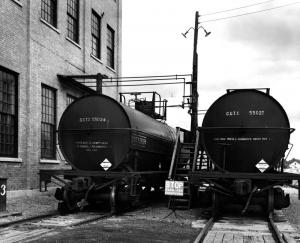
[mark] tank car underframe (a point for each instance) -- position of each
(265, 195)
(282, 178)
(73, 195)
(45, 175)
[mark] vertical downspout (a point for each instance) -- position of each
(84, 37)
(119, 51)
(28, 99)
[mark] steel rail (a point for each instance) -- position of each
(32, 228)
(25, 220)
(277, 235)
(205, 230)
(86, 221)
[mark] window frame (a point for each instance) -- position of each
(110, 50)
(53, 142)
(93, 36)
(15, 75)
(74, 18)
(43, 3)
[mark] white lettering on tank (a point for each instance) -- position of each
(256, 112)
(232, 113)
(92, 119)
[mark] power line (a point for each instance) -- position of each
(232, 9)
(239, 15)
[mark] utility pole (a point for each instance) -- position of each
(194, 85)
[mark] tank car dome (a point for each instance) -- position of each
(245, 130)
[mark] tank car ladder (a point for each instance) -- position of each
(185, 157)
(182, 167)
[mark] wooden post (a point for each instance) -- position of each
(194, 85)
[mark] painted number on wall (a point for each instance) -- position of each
(3, 190)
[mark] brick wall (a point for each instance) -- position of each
(14, 56)
(38, 52)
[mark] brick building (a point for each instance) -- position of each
(40, 39)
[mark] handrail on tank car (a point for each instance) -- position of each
(196, 150)
(114, 130)
(289, 150)
(160, 104)
(264, 128)
(186, 134)
(175, 151)
(122, 98)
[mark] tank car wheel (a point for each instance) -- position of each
(62, 208)
(112, 199)
(145, 193)
(68, 202)
(270, 201)
(137, 198)
(215, 204)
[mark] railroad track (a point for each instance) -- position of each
(33, 228)
(239, 230)
(26, 230)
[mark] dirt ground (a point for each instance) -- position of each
(150, 224)
(126, 230)
(153, 223)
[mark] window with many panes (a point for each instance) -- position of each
(48, 123)
(96, 30)
(70, 99)
(73, 20)
(110, 55)
(8, 113)
(49, 11)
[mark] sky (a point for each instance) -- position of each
(260, 50)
